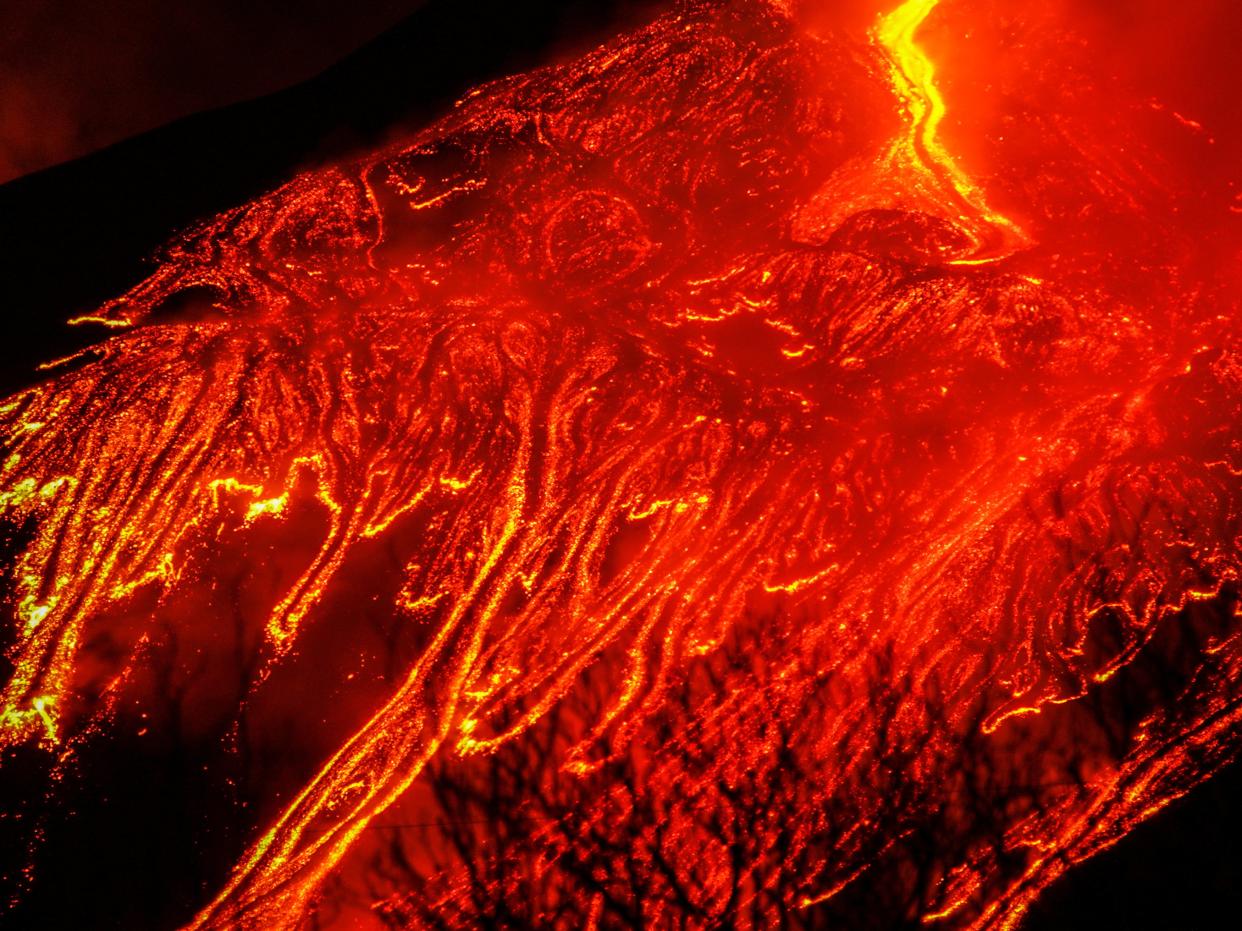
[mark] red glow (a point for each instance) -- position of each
(684, 473)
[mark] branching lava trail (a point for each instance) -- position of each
(671, 484)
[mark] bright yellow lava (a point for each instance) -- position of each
(914, 77)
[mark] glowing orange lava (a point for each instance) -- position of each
(914, 77)
(673, 452)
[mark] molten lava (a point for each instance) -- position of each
(671, 486)
(921, 152)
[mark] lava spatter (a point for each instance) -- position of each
(738, 510)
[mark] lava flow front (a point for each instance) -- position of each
(677, 488)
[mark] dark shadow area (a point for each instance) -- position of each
(1182, 869)
(79, 75)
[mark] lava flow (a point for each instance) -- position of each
(665, 491)
(921, 151)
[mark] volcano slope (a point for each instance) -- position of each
(671, 483)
